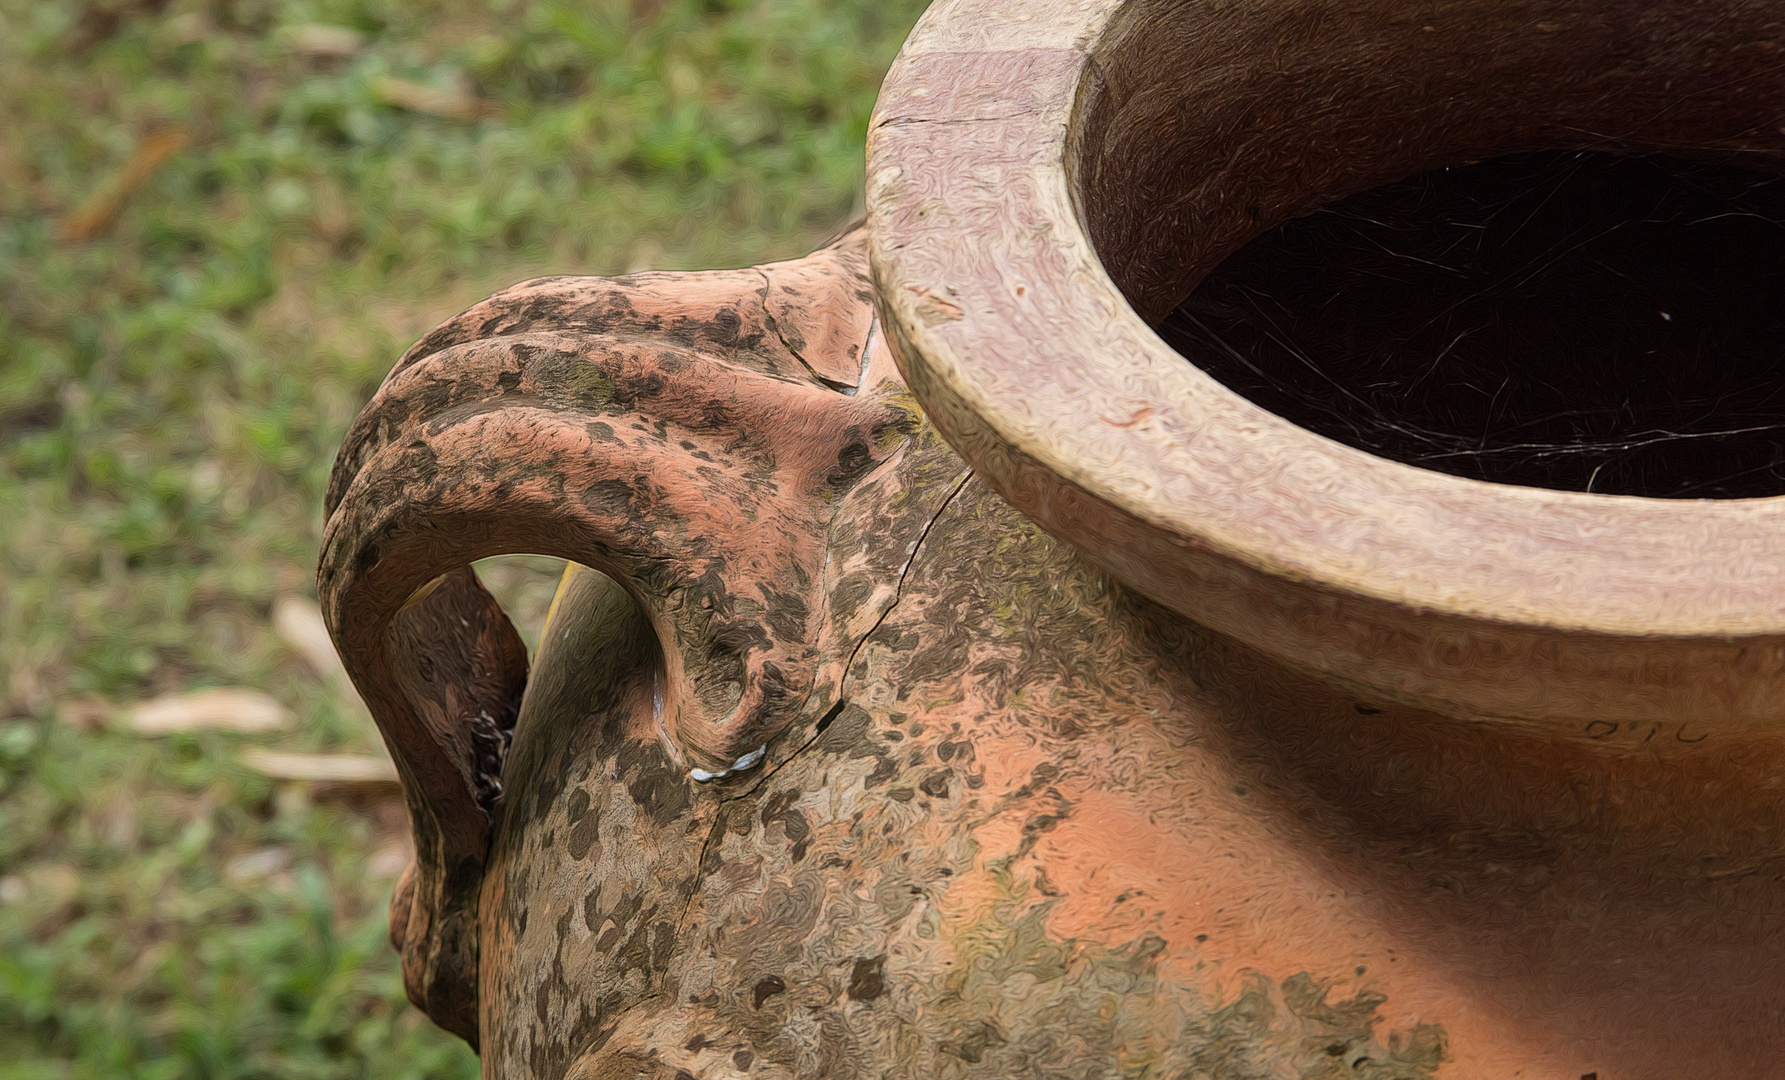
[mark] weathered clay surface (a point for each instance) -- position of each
(1019, 821)
(1144, 737)
(1050, 829)
(691, 434)
(875, 904)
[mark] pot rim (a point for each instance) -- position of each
(1474, 597)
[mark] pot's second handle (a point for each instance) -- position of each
(668, 430)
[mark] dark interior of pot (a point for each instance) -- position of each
(1579, 321)
(1537, 247)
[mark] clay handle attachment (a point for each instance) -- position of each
(686, 434)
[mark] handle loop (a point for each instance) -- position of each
(686, 434)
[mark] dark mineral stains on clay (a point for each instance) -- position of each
(805, 919)
(867, 979)
(765, 988)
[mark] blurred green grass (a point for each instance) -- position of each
(172, 391)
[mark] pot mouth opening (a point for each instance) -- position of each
(1049, 196)
(1538, 247)
(1573, 320)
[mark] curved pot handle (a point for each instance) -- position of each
(686, 434)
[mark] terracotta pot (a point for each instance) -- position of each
(1035, 705)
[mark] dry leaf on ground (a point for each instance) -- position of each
(209, 710)
(45, 885)
(298, 622)
(456, 103)
(336, 768)
(319, 41)
(100, 210)
(390, 860)
(256, 864)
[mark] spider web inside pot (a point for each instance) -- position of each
(1578, 321)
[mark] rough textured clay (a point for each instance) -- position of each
(953, 682)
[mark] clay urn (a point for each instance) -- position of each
(955, 679)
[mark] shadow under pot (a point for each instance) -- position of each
(1260, 559)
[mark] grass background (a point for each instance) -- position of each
(172, 390)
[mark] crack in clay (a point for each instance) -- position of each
(768, 288)
(749, 761)
(713, 831)
(908, 121)
(898, 592)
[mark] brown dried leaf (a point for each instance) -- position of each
(44, 886)
(209, 710)
(318, 41)
(321, 768)
(457, 103)
(99, 211)
(391, 860)
(256, 865)
(298, 622)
